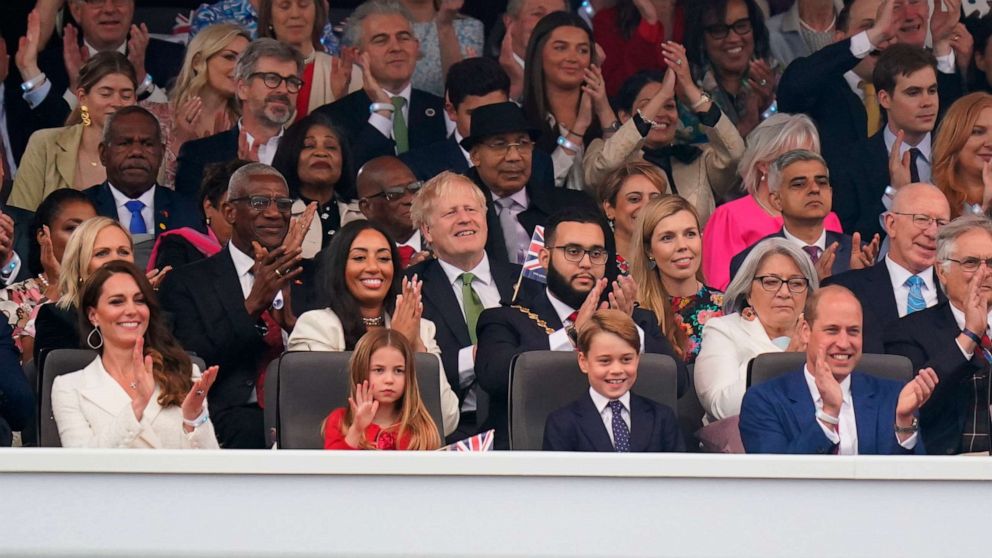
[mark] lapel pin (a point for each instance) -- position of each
(430, 112)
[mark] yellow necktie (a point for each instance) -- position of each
(872, 109)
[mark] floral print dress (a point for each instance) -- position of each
(692, 313)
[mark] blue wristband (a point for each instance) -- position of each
(973, 336)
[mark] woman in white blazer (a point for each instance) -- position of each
(364, 289)
(762, 306)
(130, 397)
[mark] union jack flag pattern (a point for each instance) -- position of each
(532, 268)
(479, 442)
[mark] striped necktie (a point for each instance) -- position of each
(915, 302)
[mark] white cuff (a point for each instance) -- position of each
(381, 123)
(945, 64)
(466, 366)
(966, 354)
(559, 341)
(910, 442)
(861, 45)
(34, 97)
(830, 433)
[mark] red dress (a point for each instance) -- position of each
(626, 57)
(380, 438)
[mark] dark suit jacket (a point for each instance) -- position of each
(55, 329)
(506, 331)
(873, 288)
(842, 262)
(578, 426)
(815, 85)
(425, 124)
(927, 338)
(16, 395)
(859, 184)
(543, 201)
(195, 155)
(429, 161)
(441, 307)
(779, 416)
(171, 210)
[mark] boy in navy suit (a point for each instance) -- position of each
(611, 418)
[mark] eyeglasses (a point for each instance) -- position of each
(393, 194)
(772, 284)
(502, 148)
(574, 253)
(272, 80)
(972, 264)
(721, 30)
(261, 203)
(923, 221)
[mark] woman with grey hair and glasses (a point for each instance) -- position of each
(762, 309)
(741, 223)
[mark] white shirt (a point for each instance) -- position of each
(861, 47)
(559, 341)
(458, 139)
(959, 318)
(820, 243)
(384, 124)
(602, 405)
(266, 151)
(925, 147)
(147, 212)
(898, 274)
(485, 287)
(243, 264)
(413, 242)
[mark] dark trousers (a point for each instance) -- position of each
(241, 427)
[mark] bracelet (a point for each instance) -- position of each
(973, 336)
(912, 428)
(200, 420)
(614, 127)
(33, 83)
(146, 84)
(827, 418)
(569, 145)
(376, 107)
(703, 99)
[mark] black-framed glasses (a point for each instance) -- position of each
(923, 221)
(397, 193)
(272, 80)
(502, 147)
(721, 30)
(261, 203)
(972, 263)
(574, 253)
(772, 283)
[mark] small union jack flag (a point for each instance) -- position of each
(532, 268)
(479, 442)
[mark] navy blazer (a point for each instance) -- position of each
(927, 338)
(506, 332)
(195, 155)
(779, 416)
(578, 426)
(842, 261)
(441, 307)
(171, 210)
(873, 288)
(859, 185)
(425, 124)
(430, 161)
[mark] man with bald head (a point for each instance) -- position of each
(231, 308)
(386, 187)
(904, 281)
(831, 405)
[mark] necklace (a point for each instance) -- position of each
(377, 321)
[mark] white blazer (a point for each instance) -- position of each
(321, 330)
(720, 374)
(93, 411)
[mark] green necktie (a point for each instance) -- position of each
(472, 304)
(399, 126)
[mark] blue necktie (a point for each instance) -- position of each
(621, 434)
(137, 225)
(915, 302)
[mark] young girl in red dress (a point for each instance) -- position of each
(384, 410)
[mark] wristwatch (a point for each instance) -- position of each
(911, 429)
(573, 335)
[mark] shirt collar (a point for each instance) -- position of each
(147, 198)
(520, 196)
(251, 138)
(924, 146)
(820, 243)
(481, 272)
(959, 318)
(899, 274)
(601, 402)
(242, 262)
(405, 93)
(845, 387)
(563, 310)
(466, 154)
(413, 242)
(122, 48)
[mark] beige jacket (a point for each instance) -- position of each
(48, 164)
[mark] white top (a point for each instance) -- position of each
(899, 274)
(147, 212)
(602, 405)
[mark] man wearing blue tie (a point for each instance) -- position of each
(131, 151)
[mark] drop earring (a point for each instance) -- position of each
(99, 336)
(84, 115)
(651, 263)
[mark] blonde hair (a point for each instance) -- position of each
(953, 133)
(613, 183)
(773, 137)
(77, 256)
(651, 292)
(414, 418)
(437, 188)
(192, 78)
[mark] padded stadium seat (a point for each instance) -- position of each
(56, 363)
(690, 413)
(767, 366)
(302, 388)
(544, 381)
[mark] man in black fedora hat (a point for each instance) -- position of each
(501, 147)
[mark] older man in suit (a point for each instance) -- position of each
(461, 282)
(832, 406)
(232, 308)
(387, 116)
(799, 187)
(580, 258)
(268, 75)
(904, 281)
(953, 338)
